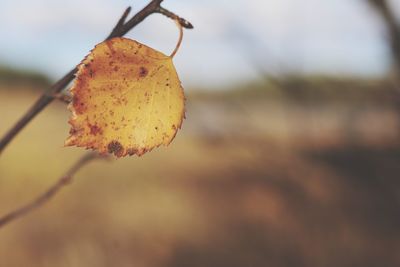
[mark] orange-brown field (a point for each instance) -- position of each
(250, 180)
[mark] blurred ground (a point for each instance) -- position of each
(302, 174)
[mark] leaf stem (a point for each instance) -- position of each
(178, 44)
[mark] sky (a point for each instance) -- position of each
(232, 41)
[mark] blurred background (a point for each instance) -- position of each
(289, 156)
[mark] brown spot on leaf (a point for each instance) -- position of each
(132, 151)
(94, 129)
(78, 105)
(143, 72)
(73, 131)
(116, 148)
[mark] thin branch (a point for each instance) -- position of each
(51, 192)
(120, 22)
(119, 30)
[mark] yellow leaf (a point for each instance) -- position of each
(127, 99)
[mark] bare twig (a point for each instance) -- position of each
(120, 29)
(393, 28)
(51, 192)
(119, 24)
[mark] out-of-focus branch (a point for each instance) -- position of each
(120, 29)
(51, 192)
(393, 28)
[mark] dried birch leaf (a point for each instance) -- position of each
(127, 99)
